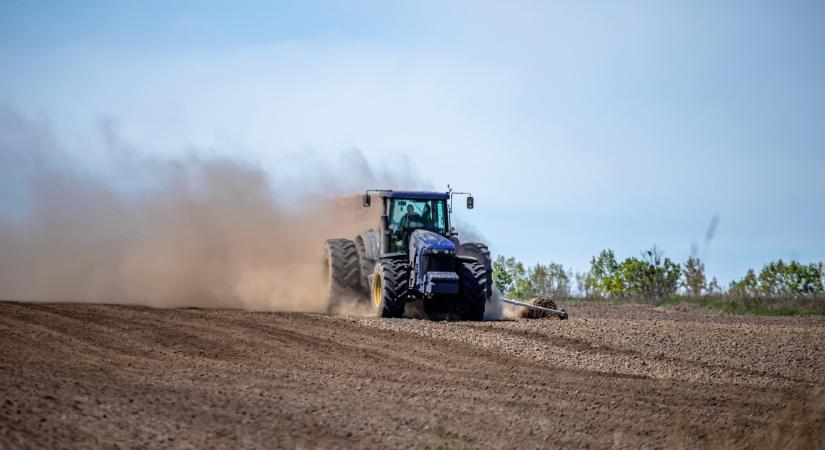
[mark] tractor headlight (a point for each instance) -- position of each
(438, 251)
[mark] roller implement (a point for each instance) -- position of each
(538, 307)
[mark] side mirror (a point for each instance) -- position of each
(470, 202)
(366, 201)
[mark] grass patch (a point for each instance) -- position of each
(755, 306)
(669, 301)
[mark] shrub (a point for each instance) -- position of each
(779, 287)
(549, 280)
(512, 279)
(780, 279)
(652, 276)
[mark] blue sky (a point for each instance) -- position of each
(577, 125)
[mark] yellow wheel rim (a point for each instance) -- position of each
(377, 292)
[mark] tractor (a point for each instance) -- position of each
(412, 255)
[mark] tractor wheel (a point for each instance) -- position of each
(471, 291)
(365, 265)
(482, 254)
(340, 271)
(390, 286)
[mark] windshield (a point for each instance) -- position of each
(409, 214)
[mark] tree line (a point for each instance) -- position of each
(653, 276)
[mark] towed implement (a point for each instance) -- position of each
(538, 307)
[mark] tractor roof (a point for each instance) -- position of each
(418, 195)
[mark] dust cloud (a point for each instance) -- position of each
(203, 232)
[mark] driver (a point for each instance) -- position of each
(408, 218)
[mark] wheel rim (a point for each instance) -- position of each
(377, 292)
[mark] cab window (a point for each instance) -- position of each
(413, 214)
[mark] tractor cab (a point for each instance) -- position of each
(404, 212)
(408, 215)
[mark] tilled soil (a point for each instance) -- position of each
(627, 376)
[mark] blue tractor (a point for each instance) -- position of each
(414, 254)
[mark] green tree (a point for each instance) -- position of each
(521, 282)
(662, 275)
(514, 280)
(604, 278)
(502, 276)
(653, 276)
(693, 277)
(713, 287)
(587, 285)
(549, 280)
(748, 286)
(635, 277)
(781, 279)
(510, 277)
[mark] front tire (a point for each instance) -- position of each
(390, 288)
(471, 291)
(340, 271)
(482, 254)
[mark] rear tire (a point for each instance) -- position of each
(341, 272)
(471, 291)
(390, 288)
(482, 254)
(365, 265)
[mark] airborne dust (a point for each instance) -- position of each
(192, 231)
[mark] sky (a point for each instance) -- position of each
(577, 125)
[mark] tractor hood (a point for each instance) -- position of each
(433, 258)
(423, 241)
